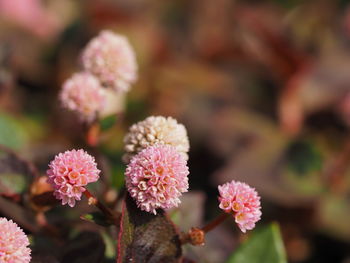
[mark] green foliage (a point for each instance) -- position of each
(97, 218)
(12, 183)
(108, 122)
(264, 246)
(303, 157)
(12, 134)
(14, 173)
(118, 177)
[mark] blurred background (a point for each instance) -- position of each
(263, 88)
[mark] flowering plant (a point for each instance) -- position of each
(137, 215)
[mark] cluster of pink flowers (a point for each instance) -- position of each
(156, 177)
(109, 63)
(110, 58)
(83, 94)
(13, 243)
(69, 173)
(242, 201)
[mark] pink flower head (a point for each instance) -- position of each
(13, 243)
(31, 15)
(110, 58)
(242, 201)
(68, 174)
(83, 94)
(156, 177)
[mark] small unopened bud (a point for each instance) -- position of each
(92, 201)
(196, 236)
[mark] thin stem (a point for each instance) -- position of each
(92, 200)
(217, 221)
(196, 236)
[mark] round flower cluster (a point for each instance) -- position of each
(156, 177)
(83, 94)
(242, 201)
(156, 130)
(13, 243)
(70, 172)
(111, 59)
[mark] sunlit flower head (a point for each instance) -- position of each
(69, 173)
(157, 177)
(156, 130)
(83, 94)
(110, 57)
(242, 201)
(13, 243)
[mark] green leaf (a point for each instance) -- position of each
(145, 237)
(15, 173)
(12, 183)
(108, 122)
(265, 245)
(97, 218)
(304, 157)
(12, 133)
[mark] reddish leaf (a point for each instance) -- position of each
(145, 237)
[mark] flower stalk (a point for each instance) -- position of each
(217, 221)
(92, 200)
(196, 236)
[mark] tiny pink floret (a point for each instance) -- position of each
(13, 243)
(69, 173)
(156, 178)
(242, 201)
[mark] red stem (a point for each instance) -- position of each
(217, 221)
(196, 236)
(92, 200)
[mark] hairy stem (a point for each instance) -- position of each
(92, 200)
